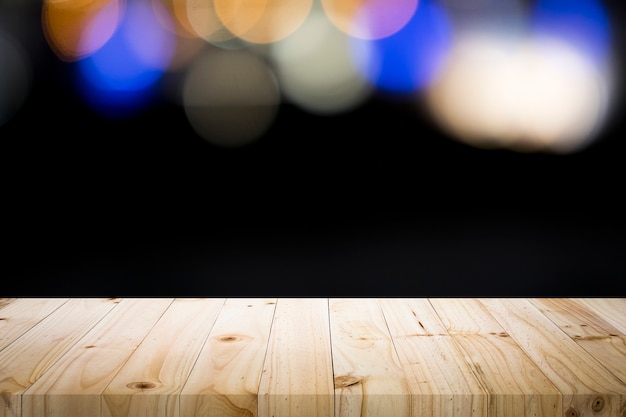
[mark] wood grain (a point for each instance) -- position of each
(440, 380)
(152, 378)
(75, 384)
(31, 356)
(6, 301)
(588, 388)
(515, 384)
(225, 379)
(20, 315)
(369, 380)
(313, 357)
(590, 330)
(297, 378)
(613, 310)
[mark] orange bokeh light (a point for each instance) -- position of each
(262, 21)
(66, 22)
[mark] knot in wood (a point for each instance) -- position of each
(572, 412)
(344, 381)
(142, 385)
(229, 338)
(597, 404)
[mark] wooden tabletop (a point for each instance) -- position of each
(310, 357)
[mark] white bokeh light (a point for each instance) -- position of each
(529, 94)
(315, 69)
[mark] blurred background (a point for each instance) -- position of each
(312, 147)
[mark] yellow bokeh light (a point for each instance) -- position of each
(262, 21)
(65, 24)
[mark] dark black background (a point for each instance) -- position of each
(375, 202)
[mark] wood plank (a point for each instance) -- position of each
(440, 381)
(594, 334)
(313, 357)
(297, 378)
(150, 381)
(22, 314)
(74, 385)
(613, 310)
(225, 380)
(26, 359)
(6, 301)
(588, 388)
(369, 381)
(515, 384)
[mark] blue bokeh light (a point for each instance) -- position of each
(408, 60)
(584, 24)
(122, 77)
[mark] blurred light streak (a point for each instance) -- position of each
(120, 77)
(262, 21)
(231, 97)
(15, 77)
(536, 94)
(315, 70)
(369, 19)
(67, 23)
(408, 60)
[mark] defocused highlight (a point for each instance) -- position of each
(535, 76)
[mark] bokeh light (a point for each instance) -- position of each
(537, 78)
(66, 24)
(262, 21)
(121, 76)
(370, 19)
(506, 18)
(512, 74)
(583, 24)
(536, 94)
(15, 77)
(206, 23)
(315, 70)
(231, 97)
(408, 60)
(172, 15)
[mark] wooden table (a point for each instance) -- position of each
(301, 357)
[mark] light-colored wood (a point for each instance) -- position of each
(588, 388)
(594, 334)
(440, 380)
(26, 359)
(313, 357)
(611, 309)
(369, 380)
(19, 316)
(152, 378)
(225, 379)
(75, 384)
(6, 301)
(297, 378)
(515, 384)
